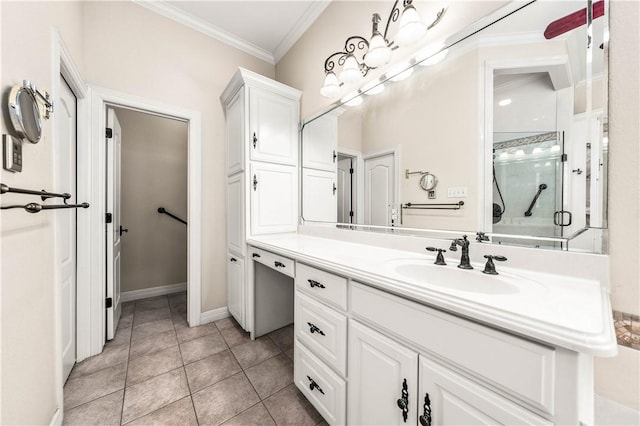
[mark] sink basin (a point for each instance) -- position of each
(453, 278)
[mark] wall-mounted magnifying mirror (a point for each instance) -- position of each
(428, 181)
(25, 112)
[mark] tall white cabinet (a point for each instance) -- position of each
(262, 118)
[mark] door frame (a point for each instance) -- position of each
(63, 65)
(93, 189)
(356, 157)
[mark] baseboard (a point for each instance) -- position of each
(56, 420)
(152, 292)
(214, 315)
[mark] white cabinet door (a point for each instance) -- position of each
(450, 399)
(235, 214)
(274, 198)
(235, 287)
(235, 133)
(320, 143)
(381, 373)
(319, 198)
(273, 123)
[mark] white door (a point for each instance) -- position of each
(65, 222)
(451, 399)
(235, 214)
(114, 228)
(379, 183)
(273, 123)
(320, 143)
(319, 196)
(274, 198)
(346, 209)
(381, 372)
(235, 288)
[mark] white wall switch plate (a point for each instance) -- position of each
(457, 192)
(12, 153)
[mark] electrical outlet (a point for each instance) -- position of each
(431, 194)
(457, 192)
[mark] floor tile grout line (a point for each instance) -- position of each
(93, 400)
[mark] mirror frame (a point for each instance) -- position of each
(18, 117)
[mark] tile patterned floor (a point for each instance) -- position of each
(158, 371)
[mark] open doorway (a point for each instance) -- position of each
(147, 188)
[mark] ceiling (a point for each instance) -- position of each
(265, 29)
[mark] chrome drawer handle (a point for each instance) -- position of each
(314, 283)
(314, 329)
(313, 385)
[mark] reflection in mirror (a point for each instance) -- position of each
(496, 125)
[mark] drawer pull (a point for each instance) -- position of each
(403, 402)
(425, 418)
(313, 385)
(314, 283)
(233, 259)
(314, 329)
(255, 255)
(278, 264)
(255, 139)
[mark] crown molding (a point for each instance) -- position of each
(312, 13)
(219, 34)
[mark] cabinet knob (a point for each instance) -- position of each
(314, 329)
(403, 402)
(314, 283)
(313, 385)
(425, 418)
(255, 140)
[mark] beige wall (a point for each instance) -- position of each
(28, 346)
(133, 50)
(619, 378)
(616, 378)
(154, 174)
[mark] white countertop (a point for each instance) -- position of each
(574, 313)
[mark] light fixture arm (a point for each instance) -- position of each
(352, 44)
(393, 17)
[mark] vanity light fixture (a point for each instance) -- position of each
(360, 55)
(555, 148)
(431, 55)
(400, 72)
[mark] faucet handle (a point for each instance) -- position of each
(454, 245)
(490, 267)
(439, 257)
(481, 236)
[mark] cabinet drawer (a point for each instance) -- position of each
(322, 285)
(520, 367)
(321, 386)
(273, 261)
(322, 330)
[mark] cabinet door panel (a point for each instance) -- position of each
(319, 202)
(235, 288)
(235, 214)
(235, 133)
(377, 369)
(320, 143)
(455, 400)
(273, 124)
(274, 205)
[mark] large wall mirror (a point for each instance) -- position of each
(503, 131)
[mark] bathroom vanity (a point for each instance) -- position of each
(384, 336)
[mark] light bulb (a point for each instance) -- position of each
(432, 55)
(555, 148)
(504, 102)
(537, 150)
(519, 153)
(350, 70)
(373, 88)
(331, 86)
(379, 53)
(411, 29)
(504, 155)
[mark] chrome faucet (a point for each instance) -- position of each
(464, 258)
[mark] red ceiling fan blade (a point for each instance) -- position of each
(572, 21)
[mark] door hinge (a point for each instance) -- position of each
(563, 158)
(108, 302)
(109, 133)
(108, 218)
(351, 171)
(350, 214)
